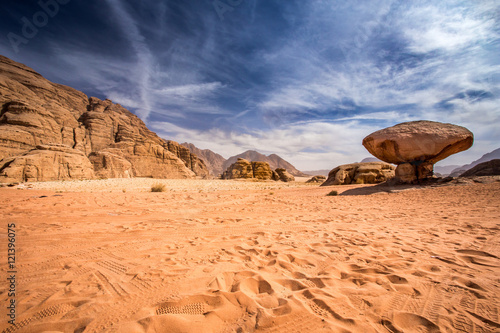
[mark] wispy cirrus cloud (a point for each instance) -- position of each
(386, 63)
(145, 59)
(284, 77)
(313, 141)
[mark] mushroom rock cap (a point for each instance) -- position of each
(418, 141)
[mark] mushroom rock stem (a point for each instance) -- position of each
(412, 172)
(406, 173)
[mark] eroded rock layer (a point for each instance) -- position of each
(106, 139)
(244, 169)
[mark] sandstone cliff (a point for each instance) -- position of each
(39, 119)
(213, 161)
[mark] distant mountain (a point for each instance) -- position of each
(213, 161)
(318, 172)
(274, 162)
(370, 159)
(445, 169)
(489, 168)
(495, 154)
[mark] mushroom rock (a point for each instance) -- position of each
(416, 146)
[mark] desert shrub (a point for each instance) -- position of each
(158, 187)
(333, 193)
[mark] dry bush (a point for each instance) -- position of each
(158, 187)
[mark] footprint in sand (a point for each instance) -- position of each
(480, 258)
(412, 323)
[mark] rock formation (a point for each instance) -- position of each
(490, 168)
(416, 146)
(213, 161)
(47, 162)
(316, 179)
(360, 173)
(191, 161)
(262, 170)
(39, 118)
(244, 169)
(283, 175)
(274, 162)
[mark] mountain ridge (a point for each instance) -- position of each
(492, 155)
(217, 164)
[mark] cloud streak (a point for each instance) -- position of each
(306, 80)
(145, 59)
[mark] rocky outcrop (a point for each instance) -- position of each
(213, 161)
(244, 169)
(191, 161)
(416, 146)
(283, 175)
(111, 165)
(261, 170)
(317, 179)
(274, 161)
(115, 142)
(360, 173)
(46, 162)
(490, 168)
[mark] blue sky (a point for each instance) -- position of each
(307, 80)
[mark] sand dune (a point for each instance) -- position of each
(214, 256)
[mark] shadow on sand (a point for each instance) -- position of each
(380, 188)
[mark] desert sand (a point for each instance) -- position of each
(230, 256)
